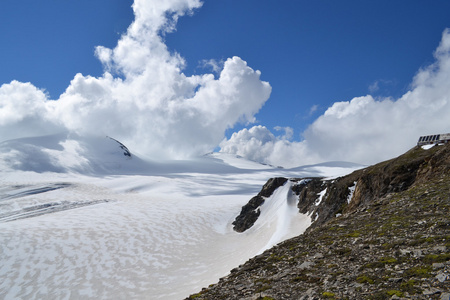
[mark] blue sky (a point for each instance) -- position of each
(316, 52)
(313, 53)
(47, 42)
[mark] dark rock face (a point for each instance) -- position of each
(307, 190)
(392, 240)
(126, 152)
(322, 199)
(334, 196)
(271, 185)
(250, 212)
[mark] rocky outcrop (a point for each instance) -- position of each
(126, 152)
(324, 199)
(391, 242)
(250, 212)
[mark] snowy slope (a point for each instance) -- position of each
(80, 219)
(239, 162)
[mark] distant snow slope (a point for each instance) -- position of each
(239, 162)
(81, 219)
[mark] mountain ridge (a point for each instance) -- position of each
(345, 193)
(390, 240)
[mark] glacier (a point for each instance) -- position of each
(79, 218)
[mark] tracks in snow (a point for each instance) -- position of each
(17, 201)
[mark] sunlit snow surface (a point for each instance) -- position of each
(89, 222)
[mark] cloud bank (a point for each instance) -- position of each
(146, 101)
(143, 99)
(363, 130)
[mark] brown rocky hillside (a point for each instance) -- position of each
(391, 238)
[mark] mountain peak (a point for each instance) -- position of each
(64, 152)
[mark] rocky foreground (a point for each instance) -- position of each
(392, 240)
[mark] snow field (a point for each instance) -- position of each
(145, 230)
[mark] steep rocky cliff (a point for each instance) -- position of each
(250, 212)
(382, 232)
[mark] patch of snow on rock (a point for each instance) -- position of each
(352, 190)
(321, 195)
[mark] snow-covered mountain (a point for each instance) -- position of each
(65, 152)
(84, 217)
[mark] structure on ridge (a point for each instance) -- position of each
(434, 139)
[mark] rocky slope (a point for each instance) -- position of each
(391, 238)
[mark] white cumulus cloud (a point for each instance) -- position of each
(260, 144)
(23, 111)
(143, 99)
(363, 130)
